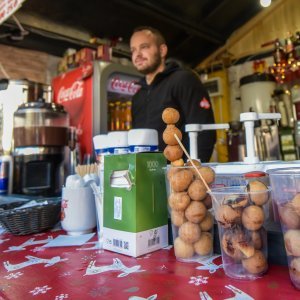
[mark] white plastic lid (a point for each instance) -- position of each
(100, 141)
(142, 137)
(117, 139)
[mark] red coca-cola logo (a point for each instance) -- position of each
(75, 91)
(125, 86)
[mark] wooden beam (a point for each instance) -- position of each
(238, 34)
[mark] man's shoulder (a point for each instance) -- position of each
(183, 75)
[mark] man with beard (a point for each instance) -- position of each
(166, 84)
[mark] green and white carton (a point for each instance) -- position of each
(135, 203)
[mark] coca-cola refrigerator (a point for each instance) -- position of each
(86, 93)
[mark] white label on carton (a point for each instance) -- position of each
(135, 244)
(117, 208)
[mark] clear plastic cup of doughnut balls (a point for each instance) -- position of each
(285, 185)
(190, 211)
(239, 212)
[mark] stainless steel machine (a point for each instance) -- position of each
(40, 134)
(256, 95)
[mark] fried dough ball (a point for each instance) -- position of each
(197, 190)
(178, 217)
(205, 244)
(181, 180)
(255, 264)
(292, 242)
(170, 115)
(289, 217)
(189, 232)
(253, 217)
(296, 204)
(243, 243)
(207, 202)
(258, 192)
(196, 163)
(236, 201)
(178, 163)
(295, 270)
(227, 216)
(207, 223)
(228, 245)
(182, 249)
(179, 201)
(195, 212)
(168, 135)
(172, 171)
(208, 174)
(256, 239)
(172, 153)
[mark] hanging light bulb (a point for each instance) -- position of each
(265, 3)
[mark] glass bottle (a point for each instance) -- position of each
(111, 117)
(118, 116)
(128, 119)
(123, 115)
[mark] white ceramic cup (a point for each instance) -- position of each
(78, 211)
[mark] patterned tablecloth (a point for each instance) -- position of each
(29, 271)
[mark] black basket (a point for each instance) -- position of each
(31, 219)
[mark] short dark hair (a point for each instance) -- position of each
(158, 35)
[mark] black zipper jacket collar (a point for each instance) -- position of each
(170, 68)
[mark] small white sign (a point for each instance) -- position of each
(117, 208)
(8, 8)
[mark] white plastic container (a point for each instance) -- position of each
(118, 142)
(142, 140)
(101, 146)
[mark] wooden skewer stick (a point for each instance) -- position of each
(194, 166)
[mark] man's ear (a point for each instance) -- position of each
(163, 50)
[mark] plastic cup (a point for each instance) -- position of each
(240, 215)
(285, 185)
(191, 218)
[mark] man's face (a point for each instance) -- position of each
(145, 53)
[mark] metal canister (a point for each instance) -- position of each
(4, 174)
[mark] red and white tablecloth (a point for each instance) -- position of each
(29, 271)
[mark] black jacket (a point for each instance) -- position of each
(181, 89)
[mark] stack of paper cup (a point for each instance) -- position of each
(101, 146)
(143, 140)
(118, 142)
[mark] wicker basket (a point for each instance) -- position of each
(31, 219)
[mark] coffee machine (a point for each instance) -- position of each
(40, 134)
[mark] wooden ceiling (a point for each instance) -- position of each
(193, 28)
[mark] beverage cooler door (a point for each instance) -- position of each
(120, 89)
(117, 86)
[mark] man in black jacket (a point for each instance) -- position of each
(168, 85)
